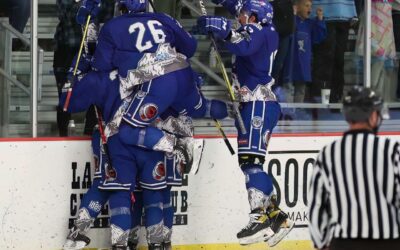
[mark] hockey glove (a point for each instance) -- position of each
(88, 7)
(219, 26)
(84, 66)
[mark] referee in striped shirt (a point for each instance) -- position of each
(355, 186)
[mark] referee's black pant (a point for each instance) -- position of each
(364, 244)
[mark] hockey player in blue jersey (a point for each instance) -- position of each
(255, 44)
(128, 162)
(150, 50)
(100, 89)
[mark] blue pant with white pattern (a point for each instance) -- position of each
(259, 118)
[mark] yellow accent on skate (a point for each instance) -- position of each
(274, 213)
(263, 218)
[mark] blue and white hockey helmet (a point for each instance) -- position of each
(262, 8)
(134, 5)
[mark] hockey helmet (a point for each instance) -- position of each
(134, 5)
(360, 102)
(260, 8)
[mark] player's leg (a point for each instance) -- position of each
(251, 152)
(264, 117)
(118, 179)
(168, 216)
(152, 180)
(154, 222)
(120, 218)
(92, 202)
(136, 216)
(89, 209)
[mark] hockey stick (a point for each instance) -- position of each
(69, 93)
(225, 76)
(98, 114)
(228, 144)
(103, 136)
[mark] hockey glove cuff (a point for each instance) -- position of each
(84, 66)
(219, 26)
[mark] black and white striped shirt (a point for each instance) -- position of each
(355, 189)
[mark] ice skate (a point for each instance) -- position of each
(257, 230)
(132, 245)
(76, 240)
(167, 245)
(119, 247)
(281, 225)
(155, 246)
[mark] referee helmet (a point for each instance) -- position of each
(359, 104)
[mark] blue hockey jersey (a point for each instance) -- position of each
(255, 47)
(127, 39)
(98, 88)
(298, 63)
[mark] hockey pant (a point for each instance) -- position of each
(259, 118)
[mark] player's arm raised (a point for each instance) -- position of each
(105, 49)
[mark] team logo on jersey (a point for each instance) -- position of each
(159, 171)
(111, 174)
(256, 122)
(95, 206)
(148, 111)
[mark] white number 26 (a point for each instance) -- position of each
(157, 34)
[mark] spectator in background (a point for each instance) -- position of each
(383, 50)
(68, 37)
(328, 60)
(284, 22)
(18, 12)
(309, 31)
(172, 8)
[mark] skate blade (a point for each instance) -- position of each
(74, 245)
(284, 230)
(263, 235)
(197, 156)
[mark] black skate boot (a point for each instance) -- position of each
(257, 230)
(281, 225)
(119, 247)
(76, 240)
(132, 245)
(167, 245)
(155, 246)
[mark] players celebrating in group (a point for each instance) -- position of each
(145, 90)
